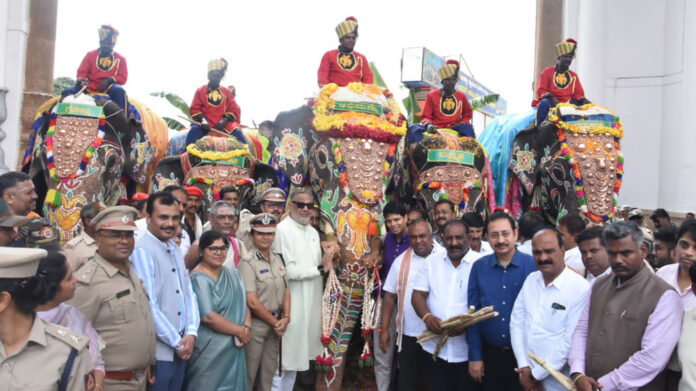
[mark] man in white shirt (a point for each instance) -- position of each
(440, 292)
(569, 226)
(299, 245)
(398, 286)
(594, 253)
(677, 274)
(476, 226)
(545, 313)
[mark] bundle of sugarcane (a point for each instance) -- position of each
(558, 375)
(460, 321)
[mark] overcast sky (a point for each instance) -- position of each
(274, 47)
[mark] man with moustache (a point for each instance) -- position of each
(160, 264)
(17, 189)
(440, 292)
(594, 253)
(180, 195)
(272, 202)
(496, 280)
(192, 224)
(111, 296)
(223, 217)
(299, 245)
(476, 226)
(443, 211)
(399, 286)
(630, 324)
(545, 313)
(665, 243)
(677, 274)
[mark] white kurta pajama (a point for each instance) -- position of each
(301, 251)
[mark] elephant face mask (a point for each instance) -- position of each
(571, 163)
(79, 151)
(444, 165)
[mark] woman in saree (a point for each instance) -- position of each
(218, 361)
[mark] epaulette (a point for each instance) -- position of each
(86, 272)
(75, 340)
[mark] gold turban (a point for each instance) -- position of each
(108, 33)
(350, 25)
(219, 64)
(567, 47)
(451, 68)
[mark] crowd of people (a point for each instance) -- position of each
(157, 297)
(150, 295)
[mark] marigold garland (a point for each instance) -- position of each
(616, 130)
(89, 152)
(355, 124)
(217, 156)
(567, 154)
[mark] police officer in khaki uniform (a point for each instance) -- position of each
(268, 298)
(111, 295)
(273, 202)
(81, 248)
(35, 355)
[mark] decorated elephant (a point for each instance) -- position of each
(84, 149)
(442, 165)
(212, 163)
(570, 164)
(292, 137)
(358, 128)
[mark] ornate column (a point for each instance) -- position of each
(38, 77)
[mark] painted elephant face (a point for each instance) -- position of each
(211, 164)
(82, 161)
(446, 166)
(349, 177)
(292, 137)
(571, 163)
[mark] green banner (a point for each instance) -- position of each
(369, 108)
(235, 161)
(450, 156)
(79, 110)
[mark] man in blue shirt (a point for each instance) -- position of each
(496, 280)
(159, 263)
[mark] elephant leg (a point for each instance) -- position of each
(351, 305)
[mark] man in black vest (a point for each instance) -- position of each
(630, 324)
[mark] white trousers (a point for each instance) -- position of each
(286, 382)
(383, 361)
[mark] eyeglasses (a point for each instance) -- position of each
(117, 235)
(303, 205)
(221, 249)
(276, 205)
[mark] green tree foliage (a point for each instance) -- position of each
(61, 83)
(176, 101)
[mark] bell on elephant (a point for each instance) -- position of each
(83, 150)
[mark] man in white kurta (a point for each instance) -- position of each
(546, 312)
(298, 242)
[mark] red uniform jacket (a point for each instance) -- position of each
(214, 105)
(94, 69)
(445, 111)
(564, 86)
(343, 68)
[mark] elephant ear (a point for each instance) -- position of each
(167, 172)
(525, 158)
(138, 152)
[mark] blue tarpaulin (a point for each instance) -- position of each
(497, 138)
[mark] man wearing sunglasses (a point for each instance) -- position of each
(299, 245)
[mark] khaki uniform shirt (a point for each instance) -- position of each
(118, 307)
(79, 249)
(39, 364)
(266, 278)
